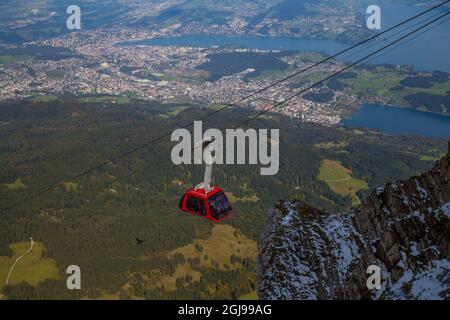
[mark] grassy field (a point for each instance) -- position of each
(45, 98)
(340, 181)
(223, 242)
(214, 252)
(216, 106)
(6, 59)
(275, 74)
(331, 145)
(105, 99)
(380, 82)
(16, 185)
(32, 268)
(234, 199)
(71, 186)
(250, 296)
(169, 282)
(168, 77)
(176, 111)
(311, 56)
(432, 155)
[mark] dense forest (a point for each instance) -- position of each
(92, 220)
(432, 102)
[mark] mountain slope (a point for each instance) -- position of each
(403, 228)
(93, 221)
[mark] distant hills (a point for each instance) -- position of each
(38, 20)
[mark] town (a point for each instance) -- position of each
(110, 61)
(102, 64)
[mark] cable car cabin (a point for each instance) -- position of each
(205, 200)
(213, 206)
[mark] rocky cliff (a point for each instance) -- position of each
(403, 228)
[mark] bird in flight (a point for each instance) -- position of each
(139, 242)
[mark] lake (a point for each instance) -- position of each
(400, 121)
(438, 39)
(251, 42)
(430, 51)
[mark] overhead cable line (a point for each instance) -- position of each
(392, 36)
(405, 41)
(376, 54)
(123, 155)
(326, 59)
(340, 71)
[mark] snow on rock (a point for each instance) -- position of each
(380, 190)
(427, 284)
(422, 192)
(402, 228)
(446, 209)
(414, 251)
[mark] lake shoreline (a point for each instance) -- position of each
(283, 43)
(399, 120)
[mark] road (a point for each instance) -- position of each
(340, 180)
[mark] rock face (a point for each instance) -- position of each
(402, 228)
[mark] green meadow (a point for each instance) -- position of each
(340, 180)
(32, 268)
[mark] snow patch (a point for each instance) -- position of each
(414, 251)
(405, 200)
(422, 192)
(380, 191)
(446, 209)
(431, 282)
(419, 215)
(345, 249)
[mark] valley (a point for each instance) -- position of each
(164, 55)
(84, 173)
(104, 224)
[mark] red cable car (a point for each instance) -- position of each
(205, 200)
(213, 206)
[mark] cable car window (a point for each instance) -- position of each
(180, 204)
(195, 205)
(220, 206)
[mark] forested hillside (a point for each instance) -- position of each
(93, 221)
